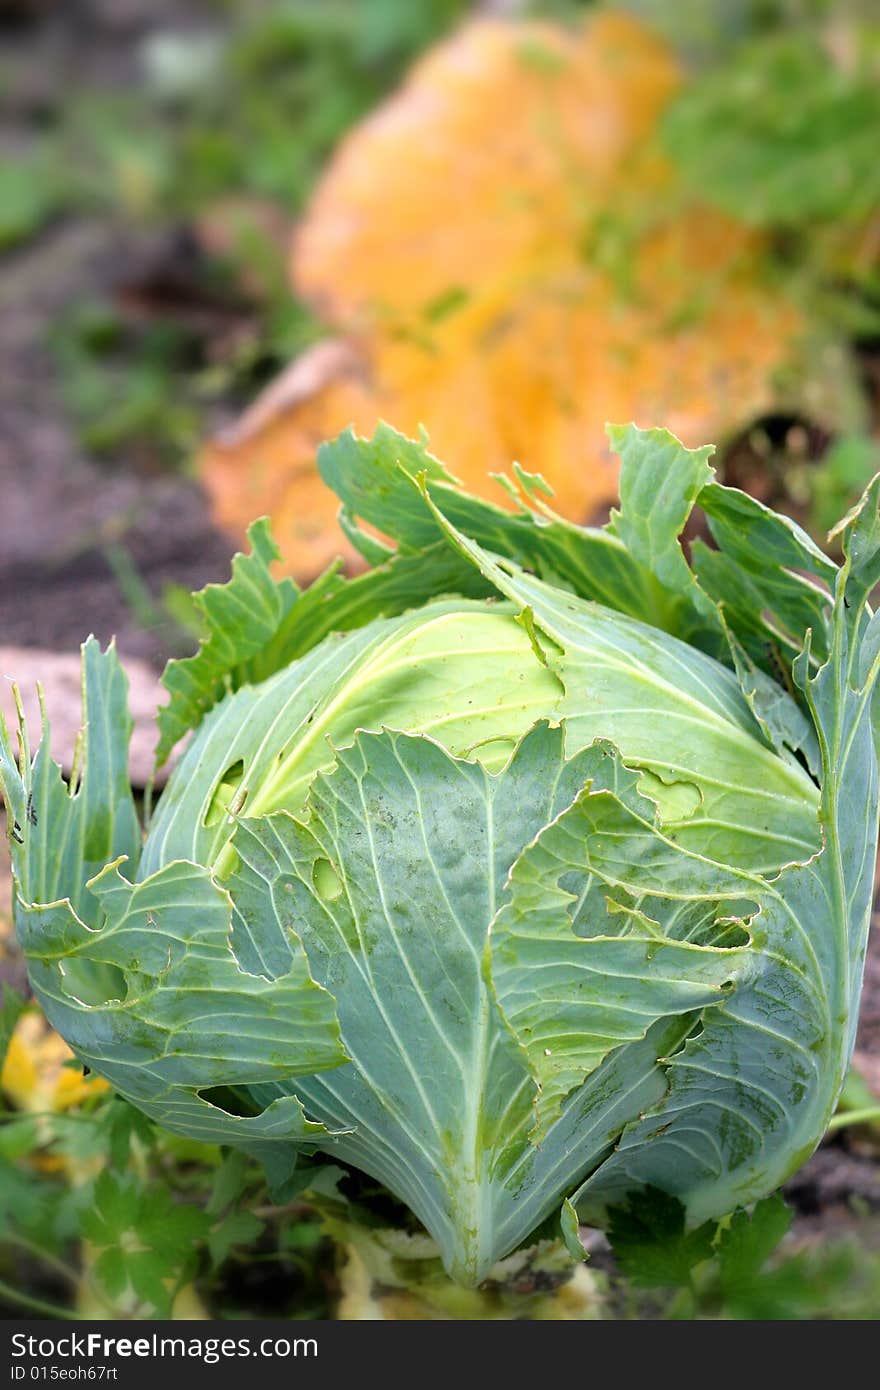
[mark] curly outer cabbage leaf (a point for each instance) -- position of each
(527, 870)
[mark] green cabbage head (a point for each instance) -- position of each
(525, 870)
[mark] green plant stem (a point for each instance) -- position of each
(25, 1300)
(65, 1270)
(134, 591)
(272, 1213)
(853, 1117)
(9, 1115)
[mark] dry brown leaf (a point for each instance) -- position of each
(512, 266)
(266, 463)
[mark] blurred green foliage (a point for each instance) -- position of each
(123, 387)
(30, 194)
(102, 1214)
(253, 108)
(787, 133)
(742, 1268)
(707, 31)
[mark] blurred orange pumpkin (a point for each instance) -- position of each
(507, 261)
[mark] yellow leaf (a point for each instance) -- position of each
(35, 1077)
